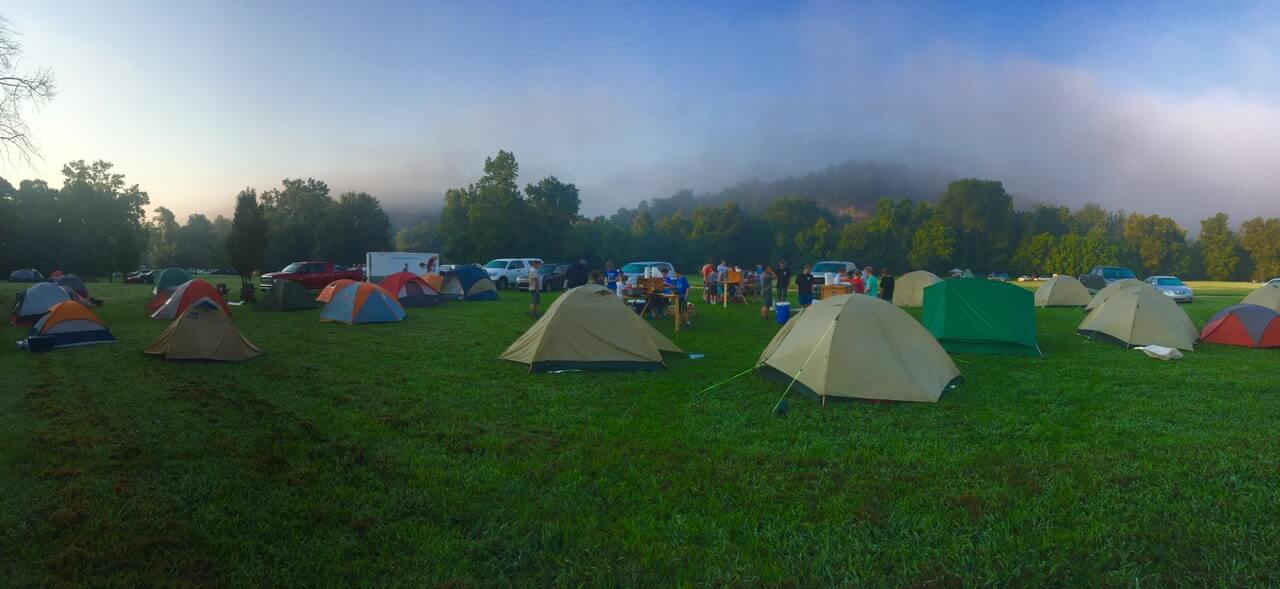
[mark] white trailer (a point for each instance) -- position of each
(379, 265)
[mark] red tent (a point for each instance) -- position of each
(191, 292)
(1251, 326)
(410, 289)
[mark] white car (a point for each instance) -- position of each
(1172, 287)
(829, 272)
(1273, 282)
(635, 270)
(505, 271)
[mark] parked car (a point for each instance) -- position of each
(635, 270)
(1173, 287)
(998, 276)
(1100, 276)
(312, 274)
(553, 277)
(504, 272)
(829, 272)
(140, 276)
(1273, 282)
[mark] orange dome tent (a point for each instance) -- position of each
(326, 295)
(434, 280)
(410, 289)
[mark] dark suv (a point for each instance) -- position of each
(553, 276)
(1099, 277)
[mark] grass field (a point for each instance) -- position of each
(406, 454)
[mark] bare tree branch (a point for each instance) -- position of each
(22, 90)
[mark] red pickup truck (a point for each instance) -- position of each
(312, 275)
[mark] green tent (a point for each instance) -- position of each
(286, 295)
(169, 279)
(971, 315)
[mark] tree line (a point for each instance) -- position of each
(96, 223)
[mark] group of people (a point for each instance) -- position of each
(771, 282)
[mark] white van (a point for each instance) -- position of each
(379, 265)
(505, 271)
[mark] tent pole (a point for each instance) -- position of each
(802, 367)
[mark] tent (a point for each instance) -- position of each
(36, 301)
(26, 275)
(285, 295)
(203, 333)
(72, 282)
(191, 293)
(56, 274)
(433, 280)
(1105, 292)
(981, 316)
(1139, 317)
(908, 289)
(362, 302)
(69, 324)
(825, 350)
(1268, 295)
(1248, 325)
(327, 294)
(468, 283)
(967, 273)
(169, 279)
(410, 289)
(75, 296)
(1062, 291)
(590, 328)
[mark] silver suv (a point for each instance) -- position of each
(505, 271)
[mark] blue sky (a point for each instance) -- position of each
(1157, 107)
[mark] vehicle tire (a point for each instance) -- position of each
(502, 283)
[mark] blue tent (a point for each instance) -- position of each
(362, 302)
(468, 283)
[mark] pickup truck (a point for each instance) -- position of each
(312, 275)
(829, 272)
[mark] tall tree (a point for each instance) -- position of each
(355, 224)
(101, 219)
(932, 245)
(980, 214)
(293, 213)
(1261, 238)
(1218, 247)
(553, 209)
(454, 226)
(1160, 244)
(247, 241)
(420, 237)
(495, 209)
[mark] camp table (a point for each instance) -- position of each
(831, 290)
(653, 288)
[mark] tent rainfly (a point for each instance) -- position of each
(823, 350)
(1267, 295)
(973, 315)
(908, 290)
(1062, 291)
(1140, 317)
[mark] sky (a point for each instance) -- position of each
(1156, 107)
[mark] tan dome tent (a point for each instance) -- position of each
(908, 289)
(1113, 288)
(203, 333)
(590, 328)
(1062, 291)
(1267, 295)
(1139, 317)
(859, 347)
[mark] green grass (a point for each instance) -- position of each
(406, 454)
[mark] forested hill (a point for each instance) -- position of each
(851, 184)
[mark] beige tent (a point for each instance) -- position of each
(1114, 288)
(1266, 296)
(856, 346)
(203, 334)
(908, 289)
(590, 328)
(1062, 291)
(1139, 317)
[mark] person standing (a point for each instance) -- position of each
(886, 284)
(804, 286)
(576, 276)
(766, 291)
(784, 280)
(535, 288)
(610, 276)
(707, 270)
(856, 282)
(873, 285)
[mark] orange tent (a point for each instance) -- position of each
(410, 289)
(326, 295)
(434, 280)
